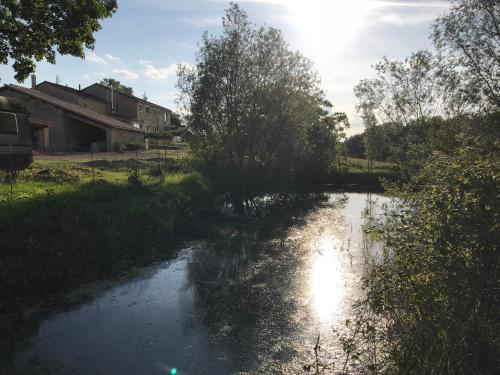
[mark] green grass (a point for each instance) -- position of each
(66, 230)
(353, 173)
(361, 165)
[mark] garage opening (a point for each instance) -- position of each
(80, 135)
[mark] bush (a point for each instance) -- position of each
(134, 146)
(435, 295)
(155, 170)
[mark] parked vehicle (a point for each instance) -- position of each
(15, 135)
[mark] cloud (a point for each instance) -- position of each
(408, 19)
(126, 74)
(205, 21)
(143, 62)
(92, 57)
(160, 73)
(110, 57)
(413, 4)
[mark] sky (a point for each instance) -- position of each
(144, 41)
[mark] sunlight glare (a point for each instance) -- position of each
(326, 25)
(327, 284)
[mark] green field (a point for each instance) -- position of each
(361, 165)
(68, 224)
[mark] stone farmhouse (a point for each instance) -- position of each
(66, 119)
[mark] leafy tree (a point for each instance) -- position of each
(404, 97)
(255, 110)
(355, 146)
(468, 42)
(175, 120)
(432, 296)
(34, 30)
(404, 92)
(117, 85)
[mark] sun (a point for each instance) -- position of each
(326, 26)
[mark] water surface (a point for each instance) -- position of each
(246, 303)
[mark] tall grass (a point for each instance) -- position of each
(69, 229)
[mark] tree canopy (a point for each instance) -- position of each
(468, 42)
(117, 85)
(34, 30)
(255, 109)
(431, 304)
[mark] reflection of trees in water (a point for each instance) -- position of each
(248, 292)
(244, 294)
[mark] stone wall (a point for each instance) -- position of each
(155, 119)
(124, 137)
(124, 106)
(43, 111)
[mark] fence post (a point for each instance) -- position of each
(92, 164)
(10, 171)
(137, 165)
(165, 159)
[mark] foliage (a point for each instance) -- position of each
(468, 43)
(437, 283)
(432, 295)
(175, 120)
(403, 93)
(399, 107)
(116, 85)
(256, 115)
(420, 103)
(34, 30)
(355, 146)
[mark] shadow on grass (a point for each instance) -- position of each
(58, 240)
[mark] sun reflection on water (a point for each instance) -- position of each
(327, 284)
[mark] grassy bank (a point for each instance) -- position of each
(65, 224)
(353, 173)
(59, 229)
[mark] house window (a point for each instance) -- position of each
(165, 116)
(137, 125)
(147, 109)
(140, 108)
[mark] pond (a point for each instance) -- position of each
(242, 304)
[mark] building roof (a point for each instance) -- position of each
(130, 96)
(73, 108)
(71, 90)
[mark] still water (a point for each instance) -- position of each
(242, 304)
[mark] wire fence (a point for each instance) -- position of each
(157, 161)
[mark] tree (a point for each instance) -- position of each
(355, 146)
(406, 98)
(34, 30)
(117, 85)
(403, 93)
(175, 120)
(432, 296)
(253, 108)
(468, 43)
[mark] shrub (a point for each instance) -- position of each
(434, 294)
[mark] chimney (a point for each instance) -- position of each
(79, 87)
(33, 81)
